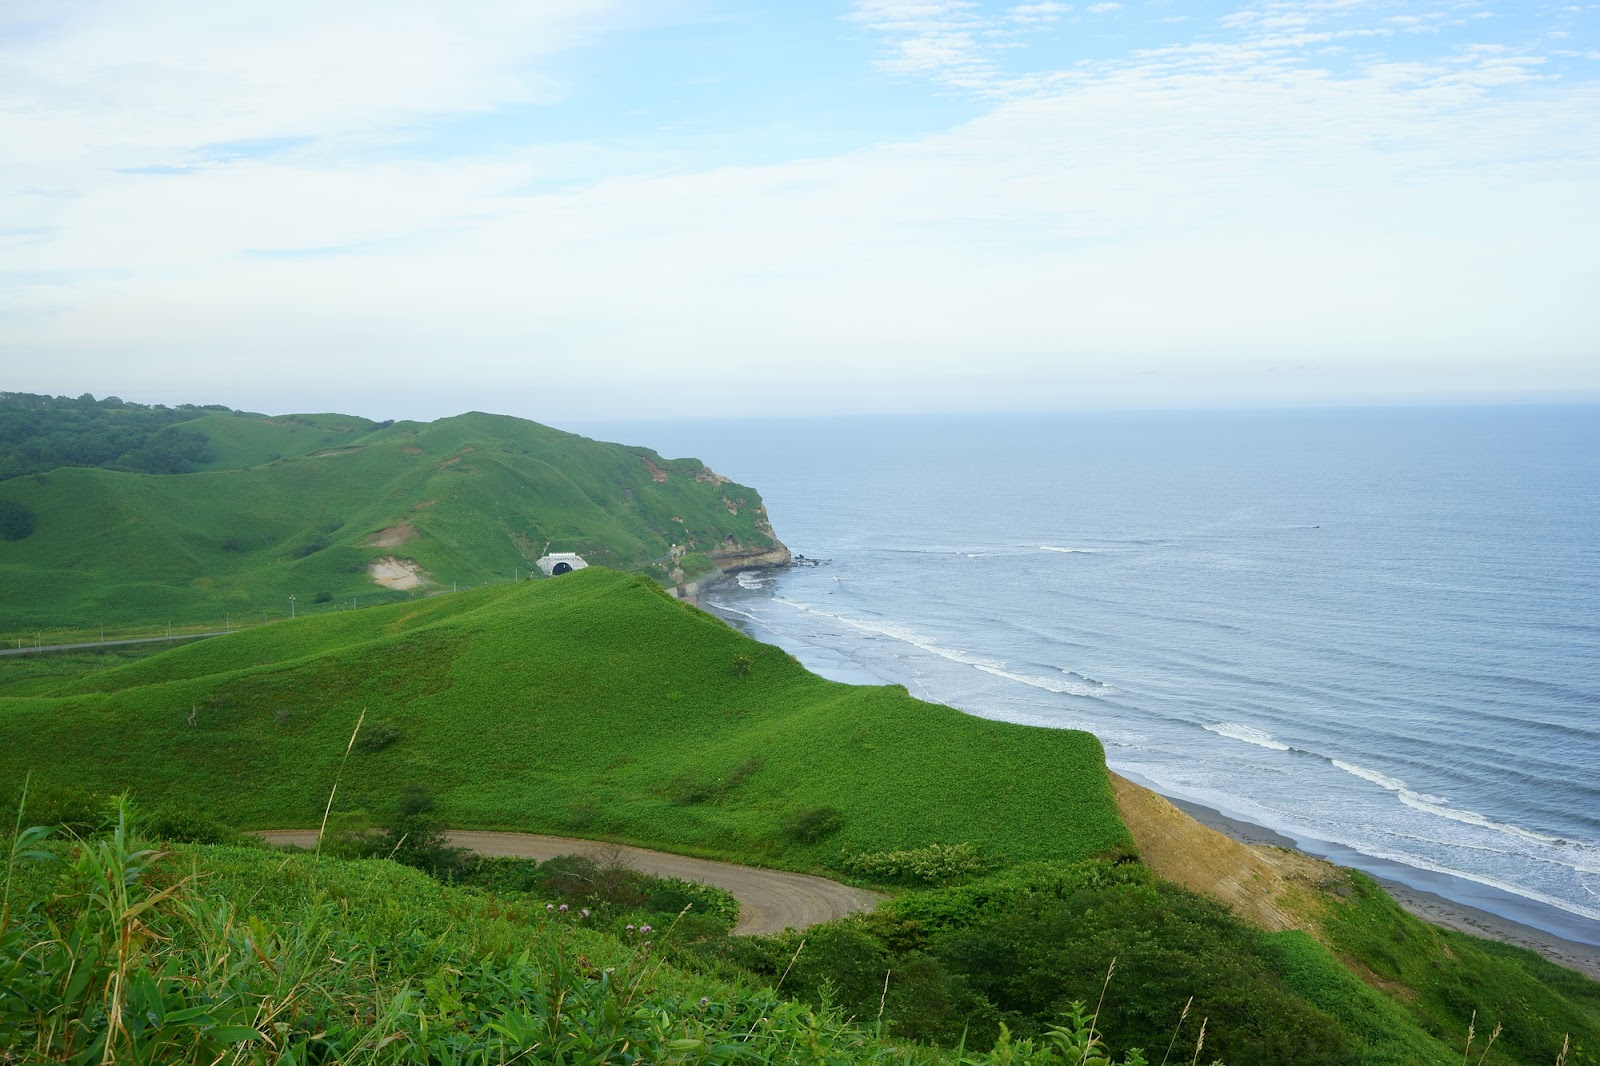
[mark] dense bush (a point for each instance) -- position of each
(17, 520)
(377, 736)
(1012, 954)
(812, 824)
(933, 864)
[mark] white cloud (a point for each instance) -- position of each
(1193, 216)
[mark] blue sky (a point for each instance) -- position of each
(599, 209)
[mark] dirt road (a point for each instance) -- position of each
(769, 900)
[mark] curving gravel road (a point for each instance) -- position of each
(770, 901)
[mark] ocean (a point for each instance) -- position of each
(1376, 632)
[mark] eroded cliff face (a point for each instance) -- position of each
(1272, 888)
(736, 557)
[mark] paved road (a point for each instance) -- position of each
(769, 900)
(114, 643)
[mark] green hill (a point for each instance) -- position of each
(596, 705)
(592, 704)
(336, 510)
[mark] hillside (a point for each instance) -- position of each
(593, 704)
(339, 511)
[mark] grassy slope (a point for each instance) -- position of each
(592, 704)
(261, 957)
(238, 441)
(485, 495)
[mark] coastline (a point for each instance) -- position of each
(1429, 906)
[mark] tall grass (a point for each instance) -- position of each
(119, 951)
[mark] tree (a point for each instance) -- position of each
(16, 520)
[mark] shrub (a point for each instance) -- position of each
(311, 548)
(322, 597)
(176, 822)
(16, 520)
(930, 865)
(377, 736)
(813, 824)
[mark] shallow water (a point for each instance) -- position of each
(1377, 632)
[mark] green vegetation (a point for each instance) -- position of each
(304, 505)
(39, 433)
(592, 705)
(595, 706)
(17, 520)
(111, 950)
(1438, 976)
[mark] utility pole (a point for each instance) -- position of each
(291, 605)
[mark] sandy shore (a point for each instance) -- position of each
(1584, 958)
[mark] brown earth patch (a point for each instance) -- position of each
(395, 573)
(392, 537)
(658, 475)
(1272, 888)
(410, 449)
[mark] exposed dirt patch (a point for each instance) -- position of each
(658, 475)
(395, 573)
(392, 537)
(338, 451)
(424, 505)
(410, 449)
(1273, 888)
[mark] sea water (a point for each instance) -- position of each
(1375, 631)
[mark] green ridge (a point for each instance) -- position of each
(299, 505)
(593, 704)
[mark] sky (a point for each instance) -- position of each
(600, 209)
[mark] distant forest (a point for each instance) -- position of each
(39, 433)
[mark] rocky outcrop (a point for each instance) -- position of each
(733, 560)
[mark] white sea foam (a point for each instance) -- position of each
(1069, 551)
(1393, 784)
(996, 667)
(1049, 684)
(1248, 734)
(749, 580)
(1438, 806)
(1423, 863)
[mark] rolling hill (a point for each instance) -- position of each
(339, 511)
(593, 704)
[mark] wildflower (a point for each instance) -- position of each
(563, 908)
(630, 927)
(549, 906)
(644, 929)
(705, 1001)
(584, 912)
